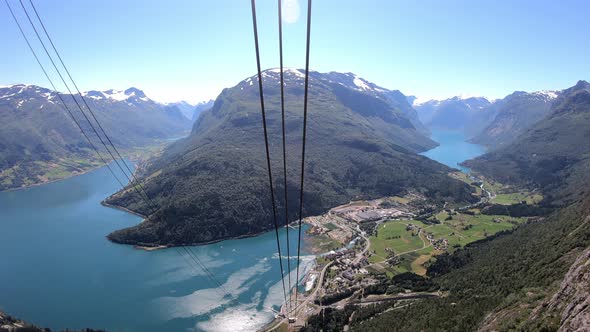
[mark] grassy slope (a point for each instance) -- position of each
(460, 231)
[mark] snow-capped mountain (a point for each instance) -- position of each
(132, 96)
(351, 81)
(36, 131)
(456, 113)
(515, 114)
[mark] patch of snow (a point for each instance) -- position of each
(117, 95)
(419, 101)
(287, 70)
(362, 84)
(8, 96)
(547, 94)
(95, 97)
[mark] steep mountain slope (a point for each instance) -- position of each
(534, 278)
(39, 141)
(200, 108)
(394, 97)
(515, 114)
(191, 111)
(185, 108)
(553, 155)
(469, 115)
(213, 184)
(500, 284)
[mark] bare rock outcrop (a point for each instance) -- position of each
(572, 301)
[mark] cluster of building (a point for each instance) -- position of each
(374, 210)
(441, 244)
(345, 269)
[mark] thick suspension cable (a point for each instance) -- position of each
(305, 95)
(284, 150)
(272, 194)
(139, 188)
(59, 95)
(81, 96)
(145, 197)
(69, 90)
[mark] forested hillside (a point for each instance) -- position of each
(39, 142)
(515, 114)
(533, 278)
(553, 155)
(213, 184)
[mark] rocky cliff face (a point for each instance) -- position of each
(571, 303)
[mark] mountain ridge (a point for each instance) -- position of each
(549, 154)
(359, 145)
(41, 143)
(515, 114)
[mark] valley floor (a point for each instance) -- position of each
(358, 242)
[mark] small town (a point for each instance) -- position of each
(361, 245)
(341, 274)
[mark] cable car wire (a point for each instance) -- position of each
(305, 101)
(268, 165)
(150, 204)
(282, 82)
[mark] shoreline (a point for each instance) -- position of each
(129, 155)
(52, 181)
(156, 246)
(117, 207)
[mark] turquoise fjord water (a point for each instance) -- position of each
(58, 270)
(453, 149)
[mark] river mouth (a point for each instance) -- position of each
(60, 271)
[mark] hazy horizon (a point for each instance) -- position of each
(192, 50)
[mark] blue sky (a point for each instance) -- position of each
(191, 50)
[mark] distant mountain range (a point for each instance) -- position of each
(553, 154)
(535, 277)
(192, 111)
(39, 142)
(514, 114)
(200, 107)
(492, 124)
(212, 185)
(464, 114)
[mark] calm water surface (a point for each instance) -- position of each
(58, 270)
(453, 149)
